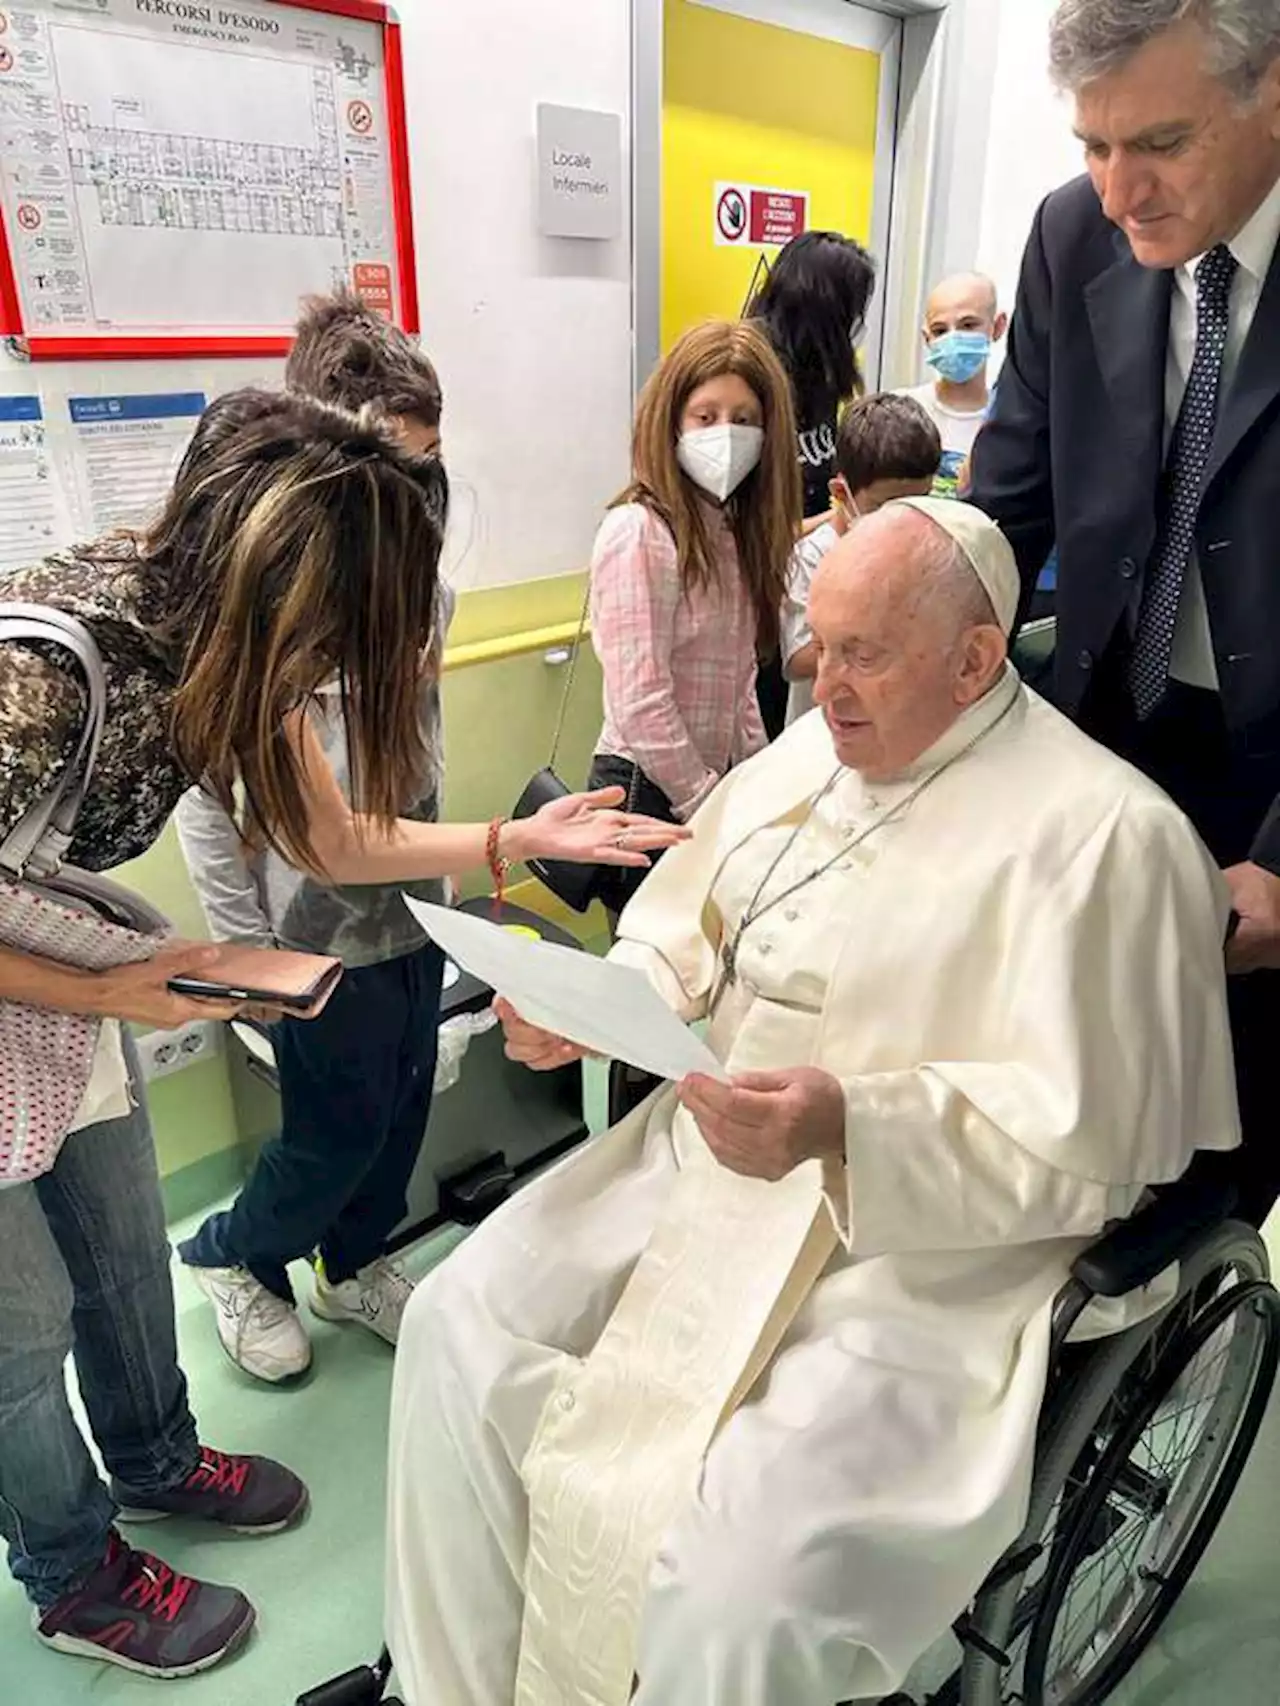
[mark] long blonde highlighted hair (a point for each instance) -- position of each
(299, 542)
(765, 511)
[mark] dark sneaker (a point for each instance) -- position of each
(136, 1612)
(251, 1495)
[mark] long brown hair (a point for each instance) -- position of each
(298, 543)
(765, 511)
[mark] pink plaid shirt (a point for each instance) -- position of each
(679, 670)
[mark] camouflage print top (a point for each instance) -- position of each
(137, 781)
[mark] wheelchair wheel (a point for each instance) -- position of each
(1136, 1466)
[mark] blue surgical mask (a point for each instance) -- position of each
(959, 356)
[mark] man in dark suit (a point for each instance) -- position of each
(1137, 428)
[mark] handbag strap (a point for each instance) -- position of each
(634, 790)
(558, 736)
(38, 843)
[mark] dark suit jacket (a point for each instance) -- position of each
(1072, 455)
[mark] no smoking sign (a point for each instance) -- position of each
(360, 117)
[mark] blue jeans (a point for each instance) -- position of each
(84, 1268)
(355, 1091)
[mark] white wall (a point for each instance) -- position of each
(1005, 142)
(532, 335)
(1030, 146)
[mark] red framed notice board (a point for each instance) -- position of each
(175, 175)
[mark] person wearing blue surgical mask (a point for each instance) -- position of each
(962, 326)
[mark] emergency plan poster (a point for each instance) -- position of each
(184, 168)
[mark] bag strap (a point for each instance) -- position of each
(757, 283)
(558, 736)
(38, 843)
(634, 790)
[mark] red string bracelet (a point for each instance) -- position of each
(498, 866)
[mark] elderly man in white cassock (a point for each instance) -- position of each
(737, 1406)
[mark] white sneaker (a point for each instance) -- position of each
(377, 1297)
(260, 1332)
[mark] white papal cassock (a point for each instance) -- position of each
(756, 1444)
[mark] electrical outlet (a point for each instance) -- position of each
(165, 1052)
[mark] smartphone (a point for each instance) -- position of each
(264, 977)
(198, 990)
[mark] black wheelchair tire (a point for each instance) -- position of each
(999, 1617)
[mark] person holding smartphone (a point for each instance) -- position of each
(299, 544)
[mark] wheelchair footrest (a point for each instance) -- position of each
(361, 1687)
(470, 1196)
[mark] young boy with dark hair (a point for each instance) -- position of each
(887, 447)
(346, 354)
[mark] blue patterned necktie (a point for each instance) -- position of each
(1184, 476)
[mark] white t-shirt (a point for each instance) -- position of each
(958, 429)
(106, 1095)
(796, 633)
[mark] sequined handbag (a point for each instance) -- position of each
(56, 912)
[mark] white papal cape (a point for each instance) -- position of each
(757, 1445)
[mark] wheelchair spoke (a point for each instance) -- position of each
(1106, 1591)
(1132, 1513)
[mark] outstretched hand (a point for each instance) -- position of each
(587, 829)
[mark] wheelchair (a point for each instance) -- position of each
(1143, 1437)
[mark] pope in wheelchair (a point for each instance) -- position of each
(739, 1405)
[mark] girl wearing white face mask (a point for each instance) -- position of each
(688, 573)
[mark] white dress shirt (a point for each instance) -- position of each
(1192, 660)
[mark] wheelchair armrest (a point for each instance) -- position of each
(1137, 1251)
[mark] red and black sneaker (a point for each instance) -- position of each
(136, 1612)
(251, 1495)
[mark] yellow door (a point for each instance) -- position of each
(764, 129)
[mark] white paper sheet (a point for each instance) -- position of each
(611, 1010)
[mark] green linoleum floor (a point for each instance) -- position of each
(319, 1589)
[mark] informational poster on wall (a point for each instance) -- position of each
(185, 171)
(126, 452)
(33, 519)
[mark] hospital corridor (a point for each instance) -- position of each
(639, 852)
